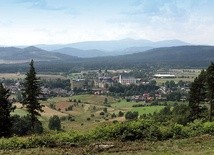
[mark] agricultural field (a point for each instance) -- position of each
(16, 76)
(180, 74)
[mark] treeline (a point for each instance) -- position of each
(57, 83)
(123, 90)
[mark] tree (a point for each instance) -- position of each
(31, 94)
(22, 125)
(54, 123)
(131, 115)
(197, 95)
(210, 88)
(5, 109)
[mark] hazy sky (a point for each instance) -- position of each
(28, 22)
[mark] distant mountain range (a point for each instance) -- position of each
(186, 56)
(18, 55)
(109, 48)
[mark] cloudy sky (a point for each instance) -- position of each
(28, 22)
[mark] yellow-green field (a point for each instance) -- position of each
(22, 76)
(87, 112)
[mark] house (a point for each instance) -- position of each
(127, 80)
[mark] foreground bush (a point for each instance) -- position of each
(148, 130)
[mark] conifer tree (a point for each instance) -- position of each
(210, 88)
(31, 94)
(5, 109)
(197, 95)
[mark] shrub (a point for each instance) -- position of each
(131, 115)
(105, 110)
(54, 123)
(113, 115)
(209, 127)
(70, 108)
(22, 126)
(102, 113)
(120, 114)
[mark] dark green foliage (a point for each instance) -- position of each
(22, 125)
(105, 110)
(58, 83)
(130, 90)
(102, 113)
(197, 96)
(70, 108)
(31, 94)
(174, 96)
(120, 114)
(54, 123)
(5, 109)
(113, 115)
(210, 87)
(106, 101)
(138, 105)
(131, 115)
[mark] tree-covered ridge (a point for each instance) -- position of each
(181, 56)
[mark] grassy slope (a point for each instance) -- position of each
(191, 146)
(82, 113)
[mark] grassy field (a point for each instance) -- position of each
(87, 112)
(16, 76)
(180, 74)
(203, 145)
(147, 110)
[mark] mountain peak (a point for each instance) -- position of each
(32, 48)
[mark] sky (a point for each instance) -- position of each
(30, 22)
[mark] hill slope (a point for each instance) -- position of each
(180, 55)
(81, 53)
(176, 54)
(23, 55)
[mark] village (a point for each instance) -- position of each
(98, 82)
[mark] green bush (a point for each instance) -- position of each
(209, 128)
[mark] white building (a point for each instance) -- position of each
(124, 80)
(164, 76)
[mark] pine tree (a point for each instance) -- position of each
(31, 94)
(210, 88)
(5, 109)
(197, 95)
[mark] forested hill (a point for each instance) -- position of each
(13, 55)
(180, 56)
(176, 54)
